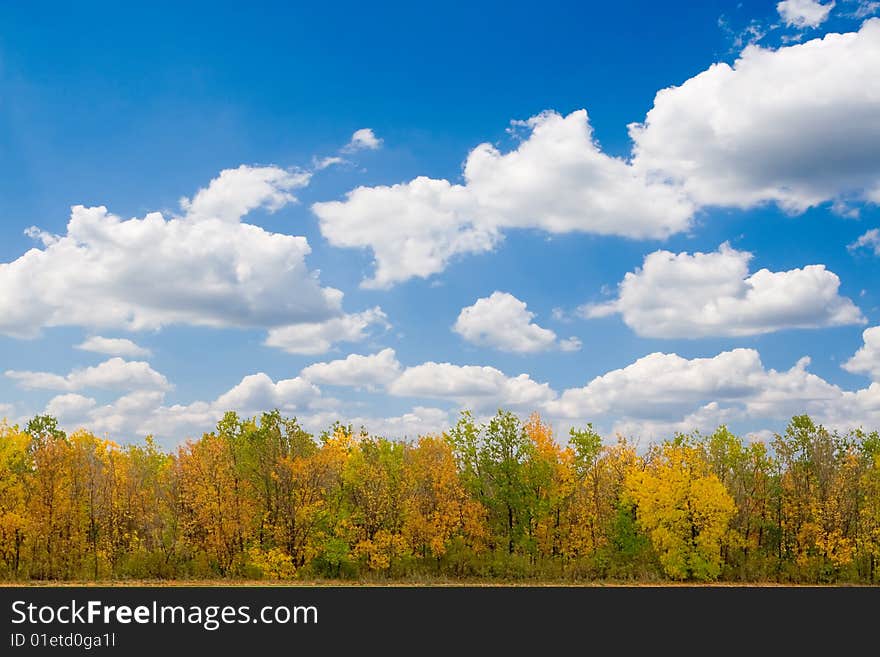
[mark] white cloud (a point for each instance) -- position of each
(236, 192)
(663, 385)
(363, 139)
(257, 392)
(560, 181)
(205, 268)
(704, 419)
(478, 387)
(557, 180)
(326, 162)
(804, 13)
(570, 344)
(665, 392)
(70, 408)
(144, 412)
(147, 273)
(867, 359)
(796, 126)
(138, 413)
(318, 337)
(653, 397)
(843, 209)
(114, 373)
(356, 371)
(429, 227)
(856, 408)
(419, 421)
(864, 8)
(712, 294)
(113, 347)
(650, 398)
(870, 240)
(474, 386)
(39, 235)
(503, 322)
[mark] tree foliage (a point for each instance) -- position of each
(501, 498)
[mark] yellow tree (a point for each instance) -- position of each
(869, 511)
(747, 472)
(145, 503)
(15, 469)
(549, 474)
(595, 509)
(216, 515)
(91, 498)
(336, 534)
(436, 506)
(834, 521)
(51, 517)
(373, 489)
(684, 508)
(305, 483)
(818, 498)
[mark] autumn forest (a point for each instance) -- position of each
(501, 500)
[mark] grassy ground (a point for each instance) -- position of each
(392, 583)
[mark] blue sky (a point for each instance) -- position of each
(485, 200)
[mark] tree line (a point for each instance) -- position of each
(261, 498)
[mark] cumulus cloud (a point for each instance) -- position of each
(363, 139)
(478, 387)
(145, 412)
(113, 347)
(869, 240)
(804, 13)
(419, 421)
(867, 359)
(138, 413)
(570, 344)
(666, 392)
(70, 407)
(503, 322)
(662, 383)
(318, 337)
(236, 192)
(651, 398)
(796, 126)
(115, 373)
(356, 370)
(704, 419)
(474, 386)
(430, 227)
(712, 294)
(257, 392)
(557, 180)
(205, 268)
